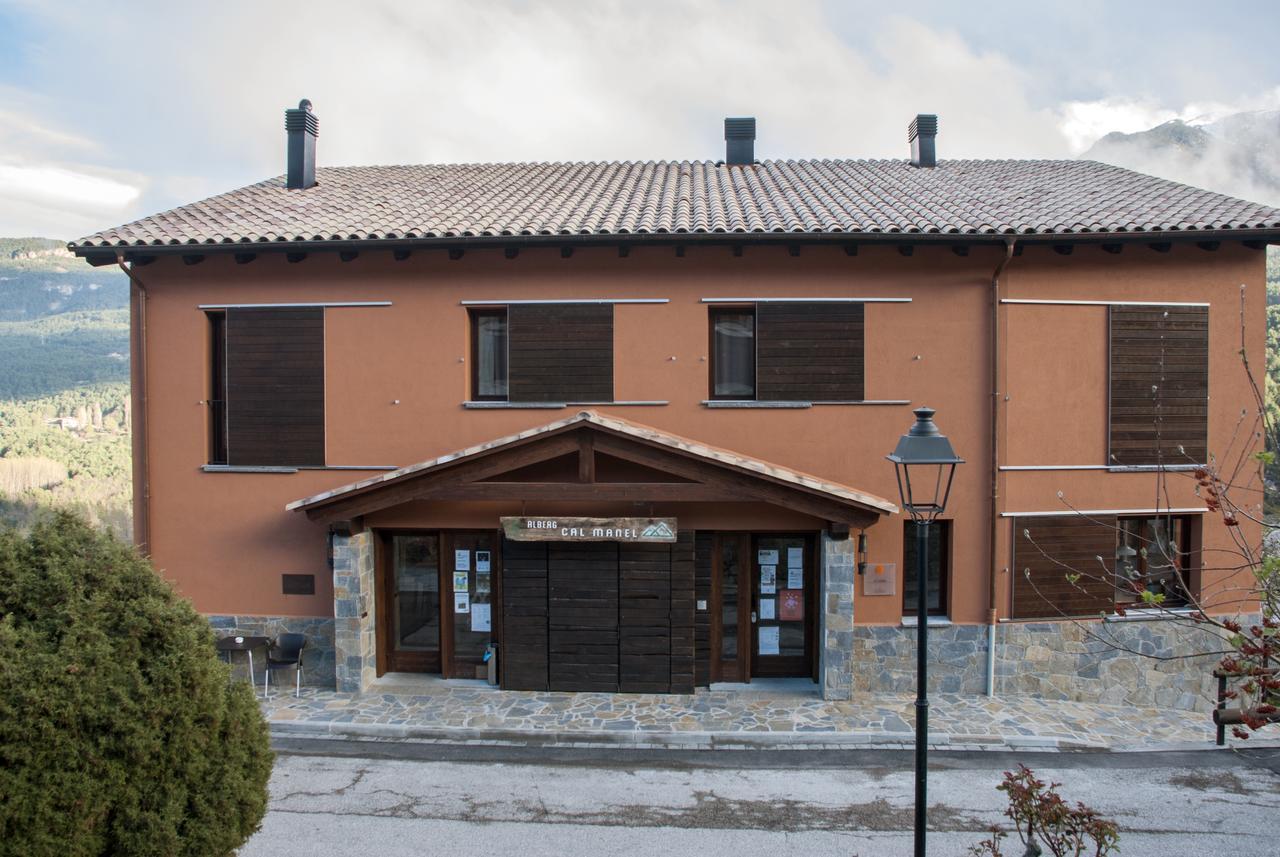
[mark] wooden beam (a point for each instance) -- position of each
(837, 530)
(348, 255)
(793, 250)
(400, 254)
(1113, 249)
(511, 252)
(566, 252)
(851, 249)
(192, 259)
(577, 492)
(1063, 249)
(245, 258)
(737, 251)
(141, 261)
(586, 459)
(295, 258)
(455, 253)
(1255, 245)
(960, 249)
(1209, 246)
(679, 251)
(906, 249)
(1161, 246)
(624, 251)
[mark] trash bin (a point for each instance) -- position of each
(491, 661)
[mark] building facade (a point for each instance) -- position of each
(626, 424)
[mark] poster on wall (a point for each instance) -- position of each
(767, 557)
(482, 562)
(462, 560)
(480, 618)
(769, 640)
(791, 605)
(461, 602)
(461, 581)
(766, 609)
(768, 579)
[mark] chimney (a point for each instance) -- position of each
(740, 141)
(922, 135)
(302, 128)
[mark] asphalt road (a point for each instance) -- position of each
(344, 798)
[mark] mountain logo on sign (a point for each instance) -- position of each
(658, 530)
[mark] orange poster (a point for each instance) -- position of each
(791, 605)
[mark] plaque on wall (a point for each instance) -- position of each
(548, 529)
(880, 579)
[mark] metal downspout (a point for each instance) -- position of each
(138, 407)
(994, 591)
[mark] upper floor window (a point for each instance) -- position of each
(1159, 408)
(788, 351)
(557, 352)
(266, 402)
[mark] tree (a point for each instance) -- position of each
(120, 732)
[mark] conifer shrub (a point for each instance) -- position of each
(119, 731)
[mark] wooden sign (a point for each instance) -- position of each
(551, 529)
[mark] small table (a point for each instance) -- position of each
(229, 645)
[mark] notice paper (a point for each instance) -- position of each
(767, 557)
(766, 609)
(480, 618)
(769, 640)
(461, 581)
(482, 562)
(461, 602)
(791, 605)
(795, 577)
(768, 579)
(795, 558)
(462, 560)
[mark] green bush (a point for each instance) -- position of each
(119, 731)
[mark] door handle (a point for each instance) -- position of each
(753, 617)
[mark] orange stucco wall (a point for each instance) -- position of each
(225, 537)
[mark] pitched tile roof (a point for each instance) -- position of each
(625, 428)
(882, 198)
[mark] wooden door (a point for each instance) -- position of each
(731, 607)
(784, 598)
(411, 595)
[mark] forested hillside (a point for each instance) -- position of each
(64, 385)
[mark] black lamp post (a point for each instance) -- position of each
(925, 464)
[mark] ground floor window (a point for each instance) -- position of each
(1151, 556)
(939, 568)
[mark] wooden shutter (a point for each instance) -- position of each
(275, 386)
(1053, 547)
(809, 352)
(1159, 385)
(560, 352)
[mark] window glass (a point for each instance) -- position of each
(733, 356)
(938, 565)
(1150, 556)
(489, 332)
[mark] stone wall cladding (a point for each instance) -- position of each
(317, 657)
(836, 633)
(1141, 663)
(355, 632)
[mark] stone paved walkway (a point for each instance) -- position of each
(732, 719)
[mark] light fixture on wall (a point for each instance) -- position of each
(862, 553)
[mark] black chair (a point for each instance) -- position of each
(285, 652)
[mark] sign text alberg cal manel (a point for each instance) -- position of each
(561, 529)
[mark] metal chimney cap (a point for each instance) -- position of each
(924, 125)
(740, 127)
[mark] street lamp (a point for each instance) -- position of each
(925, 464)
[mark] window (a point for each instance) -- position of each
(489, 355)
(1073, 565)
(1159, 409)
(1151, 555)
(733, 353)
(788, 352)
(560, 352)
(266, 406)
(939, 567)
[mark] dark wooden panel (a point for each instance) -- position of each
(703, 545)
(1050, 549)
(582, 616)
(682, 613)
(644, 618)
(1159, 385)
(809, 352)
(275, 386)
(560, 352)
(523, 655)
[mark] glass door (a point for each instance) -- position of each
(784, 583)
(731, 602)
(413, 600)
(473, 567)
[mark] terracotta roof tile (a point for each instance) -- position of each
(826, 197)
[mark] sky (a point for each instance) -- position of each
(110, 112)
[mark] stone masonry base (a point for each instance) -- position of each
(317, 657)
